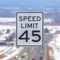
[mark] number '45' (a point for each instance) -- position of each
(34, 33)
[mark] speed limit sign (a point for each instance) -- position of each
(29, 28)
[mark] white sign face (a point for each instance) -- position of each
(29, 28)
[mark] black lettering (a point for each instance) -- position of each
(29, 18)
(25, 18)
(20, 18)
(34, 18)
(38, 18)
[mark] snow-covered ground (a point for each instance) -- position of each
(52, 29)
(7, 27)
(7, 19)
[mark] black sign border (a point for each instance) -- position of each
(42, 29)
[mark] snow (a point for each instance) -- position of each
(55, 45)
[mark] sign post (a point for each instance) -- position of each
(29, 28)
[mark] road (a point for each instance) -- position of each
(34, 52)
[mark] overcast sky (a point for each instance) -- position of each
(30, 3)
